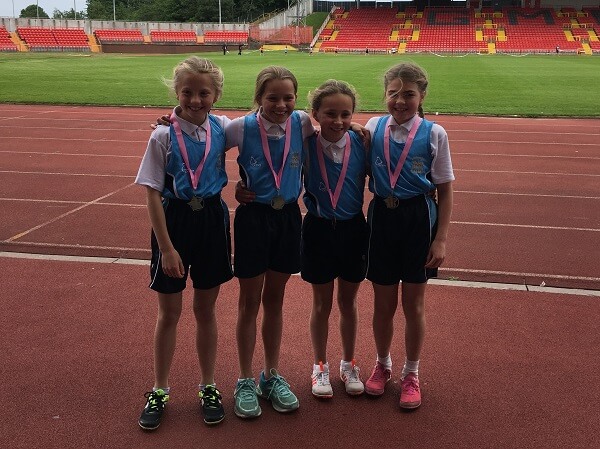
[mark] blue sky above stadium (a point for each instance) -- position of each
(6, 6)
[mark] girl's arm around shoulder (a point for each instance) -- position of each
(437, 251)
(223, 120)
(234, 133)
(308, 129)
(372, 124)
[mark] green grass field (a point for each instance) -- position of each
(474, 84)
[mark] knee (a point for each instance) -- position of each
(321, 309)
(347, 308)
(248, 308)
(168, 318)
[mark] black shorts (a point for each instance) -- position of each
(202, 239)
(266, 239)
(334, 249)
(399, 241)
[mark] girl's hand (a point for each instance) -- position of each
(363, 132)
(437, 254)
(164, 120)
(242, 194)
(172, 265)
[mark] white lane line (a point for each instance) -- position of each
(449, 283)
(61, 216)
(511, 225)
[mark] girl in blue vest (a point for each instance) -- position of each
(409, 157)
(267, 231)
(334, 231)
(183, 171)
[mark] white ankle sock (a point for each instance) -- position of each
(385, 361)
(346, 365)
(410, 366)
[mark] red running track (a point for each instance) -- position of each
(501, 368)
(526, 203)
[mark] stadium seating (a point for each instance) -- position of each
(54, 39)
(365, 28)
(38, 39)
(462, 30)
(535, 31)
(6, 44)
(173, 37)
(119, 36)
(71, 39)
(226, 37)
(406, 29)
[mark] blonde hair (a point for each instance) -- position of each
(331, 87)
(268, 74)
(193, 65)
(408, 72)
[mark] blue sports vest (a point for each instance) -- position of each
(214, 177)
(259, 177)
(316, 197)
(413, 178)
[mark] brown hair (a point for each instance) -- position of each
(268, 74)
(331, 87)
(408, 72)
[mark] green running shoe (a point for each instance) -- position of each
(153, 411)
(277, 390)
(246, 402)
(211, 406)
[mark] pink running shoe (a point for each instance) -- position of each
(380, 376)
(410, 395)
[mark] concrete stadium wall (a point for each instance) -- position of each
(159, 49)
(145, 27)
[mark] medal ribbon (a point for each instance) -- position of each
(194, 174)
(386, 149)
(267, 152)
(334, 197)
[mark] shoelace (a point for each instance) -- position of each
(411, 385)
(378, 373)
(280, 386)
(322, 378)
(246, 390)
(210, 397)
(156, 401)
(352, 374)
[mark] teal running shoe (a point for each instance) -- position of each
(246, 402)
(277, 390)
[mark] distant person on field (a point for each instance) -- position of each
(183, 171)
(409, 157)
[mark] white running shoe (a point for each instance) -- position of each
(321, 386)
(350, 375)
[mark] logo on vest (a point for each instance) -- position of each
(295, 160)
(254, 162)
(417, 166)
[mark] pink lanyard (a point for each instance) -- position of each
(334, 197)
(386, 149)
(194, 174)
(267, 152)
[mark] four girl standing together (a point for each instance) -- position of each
(279, 150)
